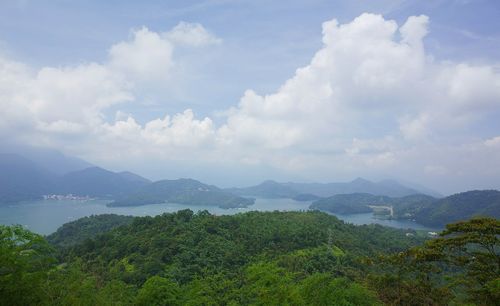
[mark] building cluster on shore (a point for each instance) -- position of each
(66, 197)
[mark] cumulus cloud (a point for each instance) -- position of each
(147, 56)
(191, 34)
(371, 101)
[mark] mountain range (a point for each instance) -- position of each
(272, 189)
(22, 179)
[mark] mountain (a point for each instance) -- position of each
(183, 191)
(98, 182)
(46, 158)
(271, 189)
(23, 180)
(132, 177)
(460, 206)
(267, 189)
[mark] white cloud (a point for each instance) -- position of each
(182, 130)
(493, 142)
(191, 34)
(146, 57)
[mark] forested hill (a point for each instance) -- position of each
(255, 258)
(460, 206)
(183, 191)
(78, 231)
(212, 257)
(422, 208)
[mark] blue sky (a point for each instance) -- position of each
(257, 46)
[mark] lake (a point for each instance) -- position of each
(45, 217)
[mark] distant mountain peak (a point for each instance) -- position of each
(269, 182)
(360, 180)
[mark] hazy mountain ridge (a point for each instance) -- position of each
(21, 179)
(272, 189)
(53, 160)
(267, 189)
(99, 182)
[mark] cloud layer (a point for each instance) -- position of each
(370, 102)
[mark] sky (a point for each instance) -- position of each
(235, 92)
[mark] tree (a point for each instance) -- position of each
(474, 247)
(268, 284)
(323, 289)
(25, 259)
(467, 254)
(159, 291)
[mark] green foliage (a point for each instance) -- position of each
(25, 259)
(268, 284)
(467, 252)
(159, 291)
(78, 231)
(323, 289)
(256, 258)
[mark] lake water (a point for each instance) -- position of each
(45, 217)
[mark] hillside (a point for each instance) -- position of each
(76, 232)
(183, 191)
(224, 259)
(421, 208)
(255, 258)
(461, 206)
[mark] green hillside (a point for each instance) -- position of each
(255, 258)
(461, 206)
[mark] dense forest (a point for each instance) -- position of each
(255, 258)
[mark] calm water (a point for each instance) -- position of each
(47, 216)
